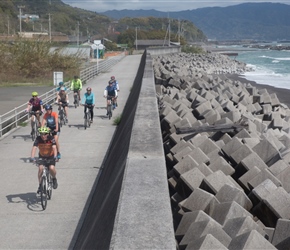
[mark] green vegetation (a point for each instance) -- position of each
(192, 49)
(117, 119)
(29, 61)
(23, 124)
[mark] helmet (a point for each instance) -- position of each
(48, 107)
(111, 82)
(62, 89)
(113, 78)
(34, 93)
(89, 89)
(60, 83)
(43, 130)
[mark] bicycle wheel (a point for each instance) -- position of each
(110, 111)
(49, 187)
(76, 99)
(85, 121)
(89, 119)
(43, 193)
(33, 131)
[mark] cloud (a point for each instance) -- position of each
(160, 5)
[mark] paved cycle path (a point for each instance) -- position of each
(23, 223)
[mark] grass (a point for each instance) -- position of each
(117, 120)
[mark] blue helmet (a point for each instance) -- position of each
(60, 83)
(48, 107)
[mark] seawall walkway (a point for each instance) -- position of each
(23, 223)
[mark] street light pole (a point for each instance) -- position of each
(136, 40)
(20, 14)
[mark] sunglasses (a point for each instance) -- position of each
(43, 134)
(34, 96)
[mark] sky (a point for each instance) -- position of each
(160, 5)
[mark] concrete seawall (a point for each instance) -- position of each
(131, 197)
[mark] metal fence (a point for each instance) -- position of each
(18, 117)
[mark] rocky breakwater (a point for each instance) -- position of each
(227, 149)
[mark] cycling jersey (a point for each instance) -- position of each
(45, 147)
(62, 97)
(110, 91)
(51, 120)
(58, 89)
(35, 103)
(76, 84)
(88, 99)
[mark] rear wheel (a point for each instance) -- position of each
(33, 131)
(43, 193)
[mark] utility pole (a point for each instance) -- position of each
(136, 40)
(78, 33)
(8, 25)
(20, 15)
(49, 26)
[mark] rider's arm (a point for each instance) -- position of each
(84, 99)
(72, 85)
(54, 151)
(105, 92)
(116, 93)
(66, 98)
(43, 120)
(81, 84)
(56, 122)
(93, 99)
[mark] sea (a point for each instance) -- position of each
(270, 67)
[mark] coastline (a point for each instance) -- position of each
(282, 94)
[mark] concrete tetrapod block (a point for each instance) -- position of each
(202, 228)
(248, 163)
(250, 240)
(187, 219)
(206, 242)
(267, 152)
(227, 210)
(181, 145)
(208, 146)
(231, 146)
(221, 164)
(197, 200)
(229, 193)
(189, 181)
(273, 207)
(261, 192)
(237, 226)
(262, 176)
(282, 234)
(199, 156)
(184, 165)
(215, 181)
(241, 153)
(284, 177)
(182, 153)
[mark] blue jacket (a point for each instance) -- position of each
(88, 98)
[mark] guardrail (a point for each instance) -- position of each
(17, 116)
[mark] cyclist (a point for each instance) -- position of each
(47, 150)
(110, 93)
(62, 99)
(50, 120)
(88, 101)
(35, 104)
(116, 85)
(76, 86)
(60, 84)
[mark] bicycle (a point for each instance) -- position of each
(46, 183)
(34, 125)
(76, 98)
(61, 115)
(110, 106)
(87, 117)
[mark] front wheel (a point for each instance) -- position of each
(85, 121)
(43, 193)
(110, 111)
(89, 119)
(49, 187)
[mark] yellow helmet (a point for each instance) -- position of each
(43, 130)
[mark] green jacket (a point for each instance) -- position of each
(76, 84)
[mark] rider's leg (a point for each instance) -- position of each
(66, 111)
(40, 169)
(53, 174)
(57, 145)
(92, 114)
(79, 94)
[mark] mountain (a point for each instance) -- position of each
(256, 21)
(37, 15)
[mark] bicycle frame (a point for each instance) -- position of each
(76, 98)
(46, 182)
(61, 115)
(109, 106)
(87, 118)
(34, 130)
